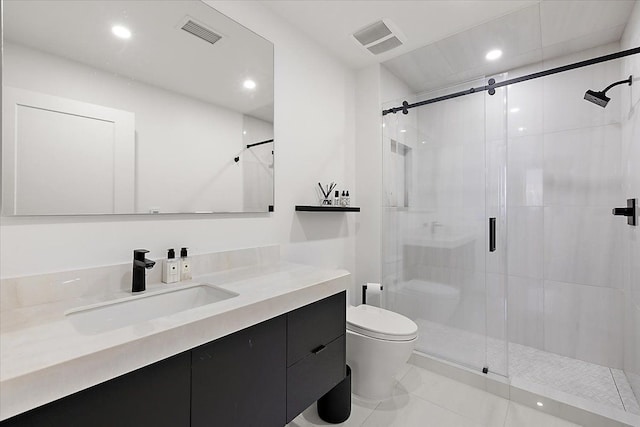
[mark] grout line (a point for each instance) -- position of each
(424, 399)
(458, 383)
(406, 373)
(370, 414)
(506, 415)
(617, 389)
(375, 409)
(544, 132)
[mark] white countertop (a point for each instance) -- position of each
(45, 361)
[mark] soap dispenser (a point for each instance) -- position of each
(170, 268)
(185, 265)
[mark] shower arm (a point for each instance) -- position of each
(629, 81)
(237, 158)
(259, 143)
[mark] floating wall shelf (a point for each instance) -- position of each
(308, 208)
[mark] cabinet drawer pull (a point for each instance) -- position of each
(319, 349)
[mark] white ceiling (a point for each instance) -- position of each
(331, 23)
(159, 52)
(542, 24)
(541, 31)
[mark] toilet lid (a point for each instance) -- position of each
(379, 323)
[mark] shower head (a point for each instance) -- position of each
(600, 98)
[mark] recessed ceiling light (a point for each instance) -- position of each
(424, 142)
(521, 129)
(249, 84)
(515, 110)
(244, 132)
(539, 404)
(494, 54)
(403, 130)
(120, 31)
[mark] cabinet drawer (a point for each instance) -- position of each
(314, 325)
(312, 377)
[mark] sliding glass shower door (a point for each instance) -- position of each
(443, 181)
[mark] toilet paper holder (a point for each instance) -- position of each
(364, 291)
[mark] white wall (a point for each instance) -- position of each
(314, 132)
(184, 147)
(630, 101)
(368, 178)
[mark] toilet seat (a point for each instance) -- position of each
(379, 323)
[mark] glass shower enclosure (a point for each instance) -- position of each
(444, 194)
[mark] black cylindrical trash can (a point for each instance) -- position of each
(335, 406)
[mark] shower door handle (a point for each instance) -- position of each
(492, 234)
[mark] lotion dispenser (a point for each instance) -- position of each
(170, 268)
(185, 265)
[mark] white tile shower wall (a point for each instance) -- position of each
(582, 166)
(314, 130)
(564, 175)
(525, 177)
(368, 178)
(586, 322)
(630, 101)
(525, 309)
(525, 241)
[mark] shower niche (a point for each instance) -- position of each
(400, 167)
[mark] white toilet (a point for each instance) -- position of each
(379, 343)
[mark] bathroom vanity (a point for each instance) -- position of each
(264, 375)
(257, 359)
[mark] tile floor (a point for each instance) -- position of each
(422, 398)
(589, 381)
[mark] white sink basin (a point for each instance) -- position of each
(102, 317)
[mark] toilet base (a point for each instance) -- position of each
(375, 363)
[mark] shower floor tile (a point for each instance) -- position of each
(586, 380)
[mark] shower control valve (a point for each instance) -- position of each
(629, 211)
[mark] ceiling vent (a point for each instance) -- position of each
(379, 37)
(200, 31)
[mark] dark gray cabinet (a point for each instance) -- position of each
(156, 395)
(239, 380)
(262, 376)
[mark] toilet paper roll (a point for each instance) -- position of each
(374, 294)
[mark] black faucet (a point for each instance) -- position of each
(140, 263)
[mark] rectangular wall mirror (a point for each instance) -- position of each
(134, 107)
